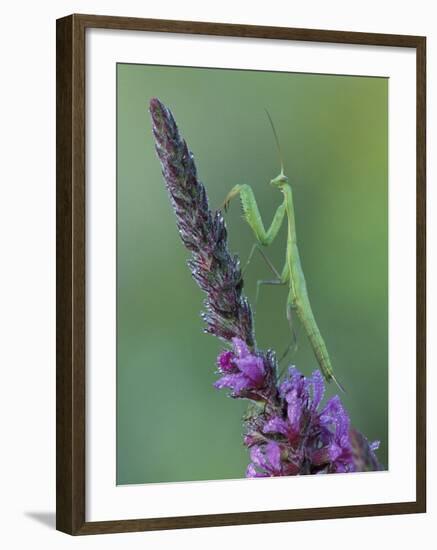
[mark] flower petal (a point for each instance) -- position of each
(294, 411)
(240, 347)
(224, 361)
(277, 425)
(326, 454)
(257, 457)
(318, 388)
(273, 453)
(251, 472)
(253, 367)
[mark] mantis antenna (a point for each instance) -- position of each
(278, 145)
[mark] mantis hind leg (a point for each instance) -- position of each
(262, 282)
(277, 281)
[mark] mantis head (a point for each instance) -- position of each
(279, 181)
(282, 179)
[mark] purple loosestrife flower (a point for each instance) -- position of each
(242, 371)
(249, 375)
(336, 448)
(300, 437)
(289, 433)
(268, 461)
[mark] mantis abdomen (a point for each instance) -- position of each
(298, 296)
(306, 317)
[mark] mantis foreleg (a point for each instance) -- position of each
(252, 215)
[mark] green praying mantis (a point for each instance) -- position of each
(292, 273)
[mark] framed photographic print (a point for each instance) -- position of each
(240, 274)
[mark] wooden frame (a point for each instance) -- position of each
(70, 211)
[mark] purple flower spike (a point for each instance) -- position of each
(227, 312)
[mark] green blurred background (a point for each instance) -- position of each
(172, 425)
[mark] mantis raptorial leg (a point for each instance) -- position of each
(292, 274)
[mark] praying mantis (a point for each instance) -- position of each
(292, 274)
